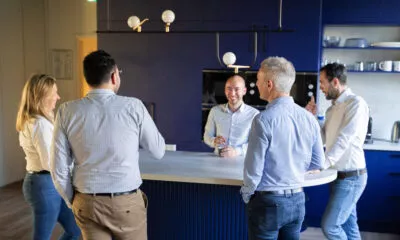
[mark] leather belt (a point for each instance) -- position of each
(346, 174)
(280, 192)
(39, 172)
(111, 194)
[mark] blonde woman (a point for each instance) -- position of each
(35, 127)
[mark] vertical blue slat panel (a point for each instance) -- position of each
(182, 211)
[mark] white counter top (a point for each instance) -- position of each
(200, 167)
(382, 146)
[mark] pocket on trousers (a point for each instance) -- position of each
(145, 199)
(130, 212)
(264, 216)
(81, 207)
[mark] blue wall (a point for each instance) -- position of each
(166, 68)
(361, 12)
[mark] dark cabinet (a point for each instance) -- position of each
(361, 12)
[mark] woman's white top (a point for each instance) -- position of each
(35, 139)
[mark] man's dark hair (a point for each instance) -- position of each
(98, 67)
(335, 70)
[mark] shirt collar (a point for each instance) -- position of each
(280, 100)
(101, 91)
(228, 110)
(343, 96)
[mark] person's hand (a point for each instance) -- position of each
(219, 140)
(313, 171)
(312, 106)
(228, 152)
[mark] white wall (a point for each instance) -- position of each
(29, 29)
(65, 21)
(12, 75)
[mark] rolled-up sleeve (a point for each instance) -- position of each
(210, 129)
(61, 160)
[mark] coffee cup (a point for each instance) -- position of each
(396, 66)
(220, 148)
(386, 66)
(371, 66)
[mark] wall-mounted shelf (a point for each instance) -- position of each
(378, 72)
(199, 31)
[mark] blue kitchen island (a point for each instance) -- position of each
(195, 195)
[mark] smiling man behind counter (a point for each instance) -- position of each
(228, 125)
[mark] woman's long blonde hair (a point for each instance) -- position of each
(33, 94)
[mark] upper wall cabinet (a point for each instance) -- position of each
(361, 12)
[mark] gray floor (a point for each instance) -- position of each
(316, 234)
(16, 219)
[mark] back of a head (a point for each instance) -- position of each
(335, 70)
(280, 71)
(97, 67)
(34, 92)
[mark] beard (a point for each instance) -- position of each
(332, 93)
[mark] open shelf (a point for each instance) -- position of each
(365, 48)
(384, 72)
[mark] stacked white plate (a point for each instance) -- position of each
(386, 44)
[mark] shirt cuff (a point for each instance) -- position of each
(239, 151)
(246, 194)
(246, 198)
(327, 163)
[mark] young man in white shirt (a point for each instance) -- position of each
(228, 125)
(343, 133)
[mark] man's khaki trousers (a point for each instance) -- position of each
(105, 217)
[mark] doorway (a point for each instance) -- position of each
(86, 45)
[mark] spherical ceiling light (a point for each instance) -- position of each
(168, 17)
(133, 21)
(229, 58)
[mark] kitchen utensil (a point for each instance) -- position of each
(368, 137)
(371, 66)
(395, 132)
(386, 44)
(396, 66)
(356, 42)
(331, 41)
(386, 66)
(359, 66)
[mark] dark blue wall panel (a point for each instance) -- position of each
(361, 12)
(166, 68)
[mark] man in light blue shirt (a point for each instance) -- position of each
(228, 125)
(284, 144)
(100, 136)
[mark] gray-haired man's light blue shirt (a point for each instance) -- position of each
(100, 135)
(284, 143)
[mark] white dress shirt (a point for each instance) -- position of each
(344, 132)
(35, 140)
(101, 134)
(233, 126)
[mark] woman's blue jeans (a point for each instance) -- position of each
(48, 208)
